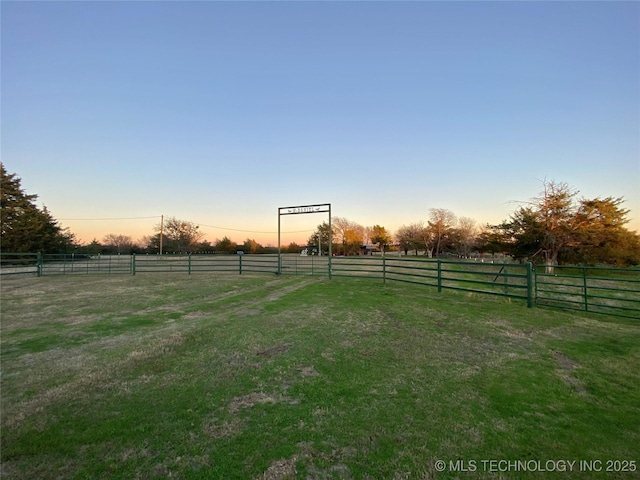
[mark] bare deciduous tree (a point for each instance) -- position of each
(441, 223)
(118, 243)
(556, 212)
(467, 233)
(181, 235)
(414, 237)
(348, 233)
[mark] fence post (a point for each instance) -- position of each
(384, 270)
(133, 264)
(39, 265)
(240, 263)
(439, 275)
(529, 285)
(584, 284)
(189, 263)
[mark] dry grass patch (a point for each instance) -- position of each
(566, 366)
(281, 469)
(219, 429)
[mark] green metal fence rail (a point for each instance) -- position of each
(502, 279)
(72, 264)
(20, 264)
(357, 267)
(612, 291)
(305, 265)
(185, 263)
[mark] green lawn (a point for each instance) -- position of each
(228, 376)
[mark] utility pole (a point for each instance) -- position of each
(161, 229)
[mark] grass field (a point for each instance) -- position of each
(228, 376)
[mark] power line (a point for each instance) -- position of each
(118, 218)
(200, 224)
(249, 231)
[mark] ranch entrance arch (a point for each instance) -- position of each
(302, 210)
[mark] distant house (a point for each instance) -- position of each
(368, 249)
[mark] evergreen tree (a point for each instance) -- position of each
(557, 229)
(226, 245)
(251, 246)
(24, 227)
(601, 236)
(380, 237)
(320, 237)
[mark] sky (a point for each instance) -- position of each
(219, 113)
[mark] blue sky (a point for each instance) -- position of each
(221, 112)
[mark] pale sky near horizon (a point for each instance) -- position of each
(221, 112)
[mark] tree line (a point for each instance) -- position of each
(555, 227)
(183, 237)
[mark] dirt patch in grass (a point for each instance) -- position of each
(195, 315)
(564, 362)
(249, 312)
(566, 366)
(285, 468)
(308, 371)
(507, 329)
(286, 290)
(281, 469)
(329, 355)
(278, 349)
(256, 398)
(391, 318)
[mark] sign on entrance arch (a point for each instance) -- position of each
(299, 210)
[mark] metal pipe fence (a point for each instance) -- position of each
(612, 291)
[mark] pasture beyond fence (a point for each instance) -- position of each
(612, 291)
